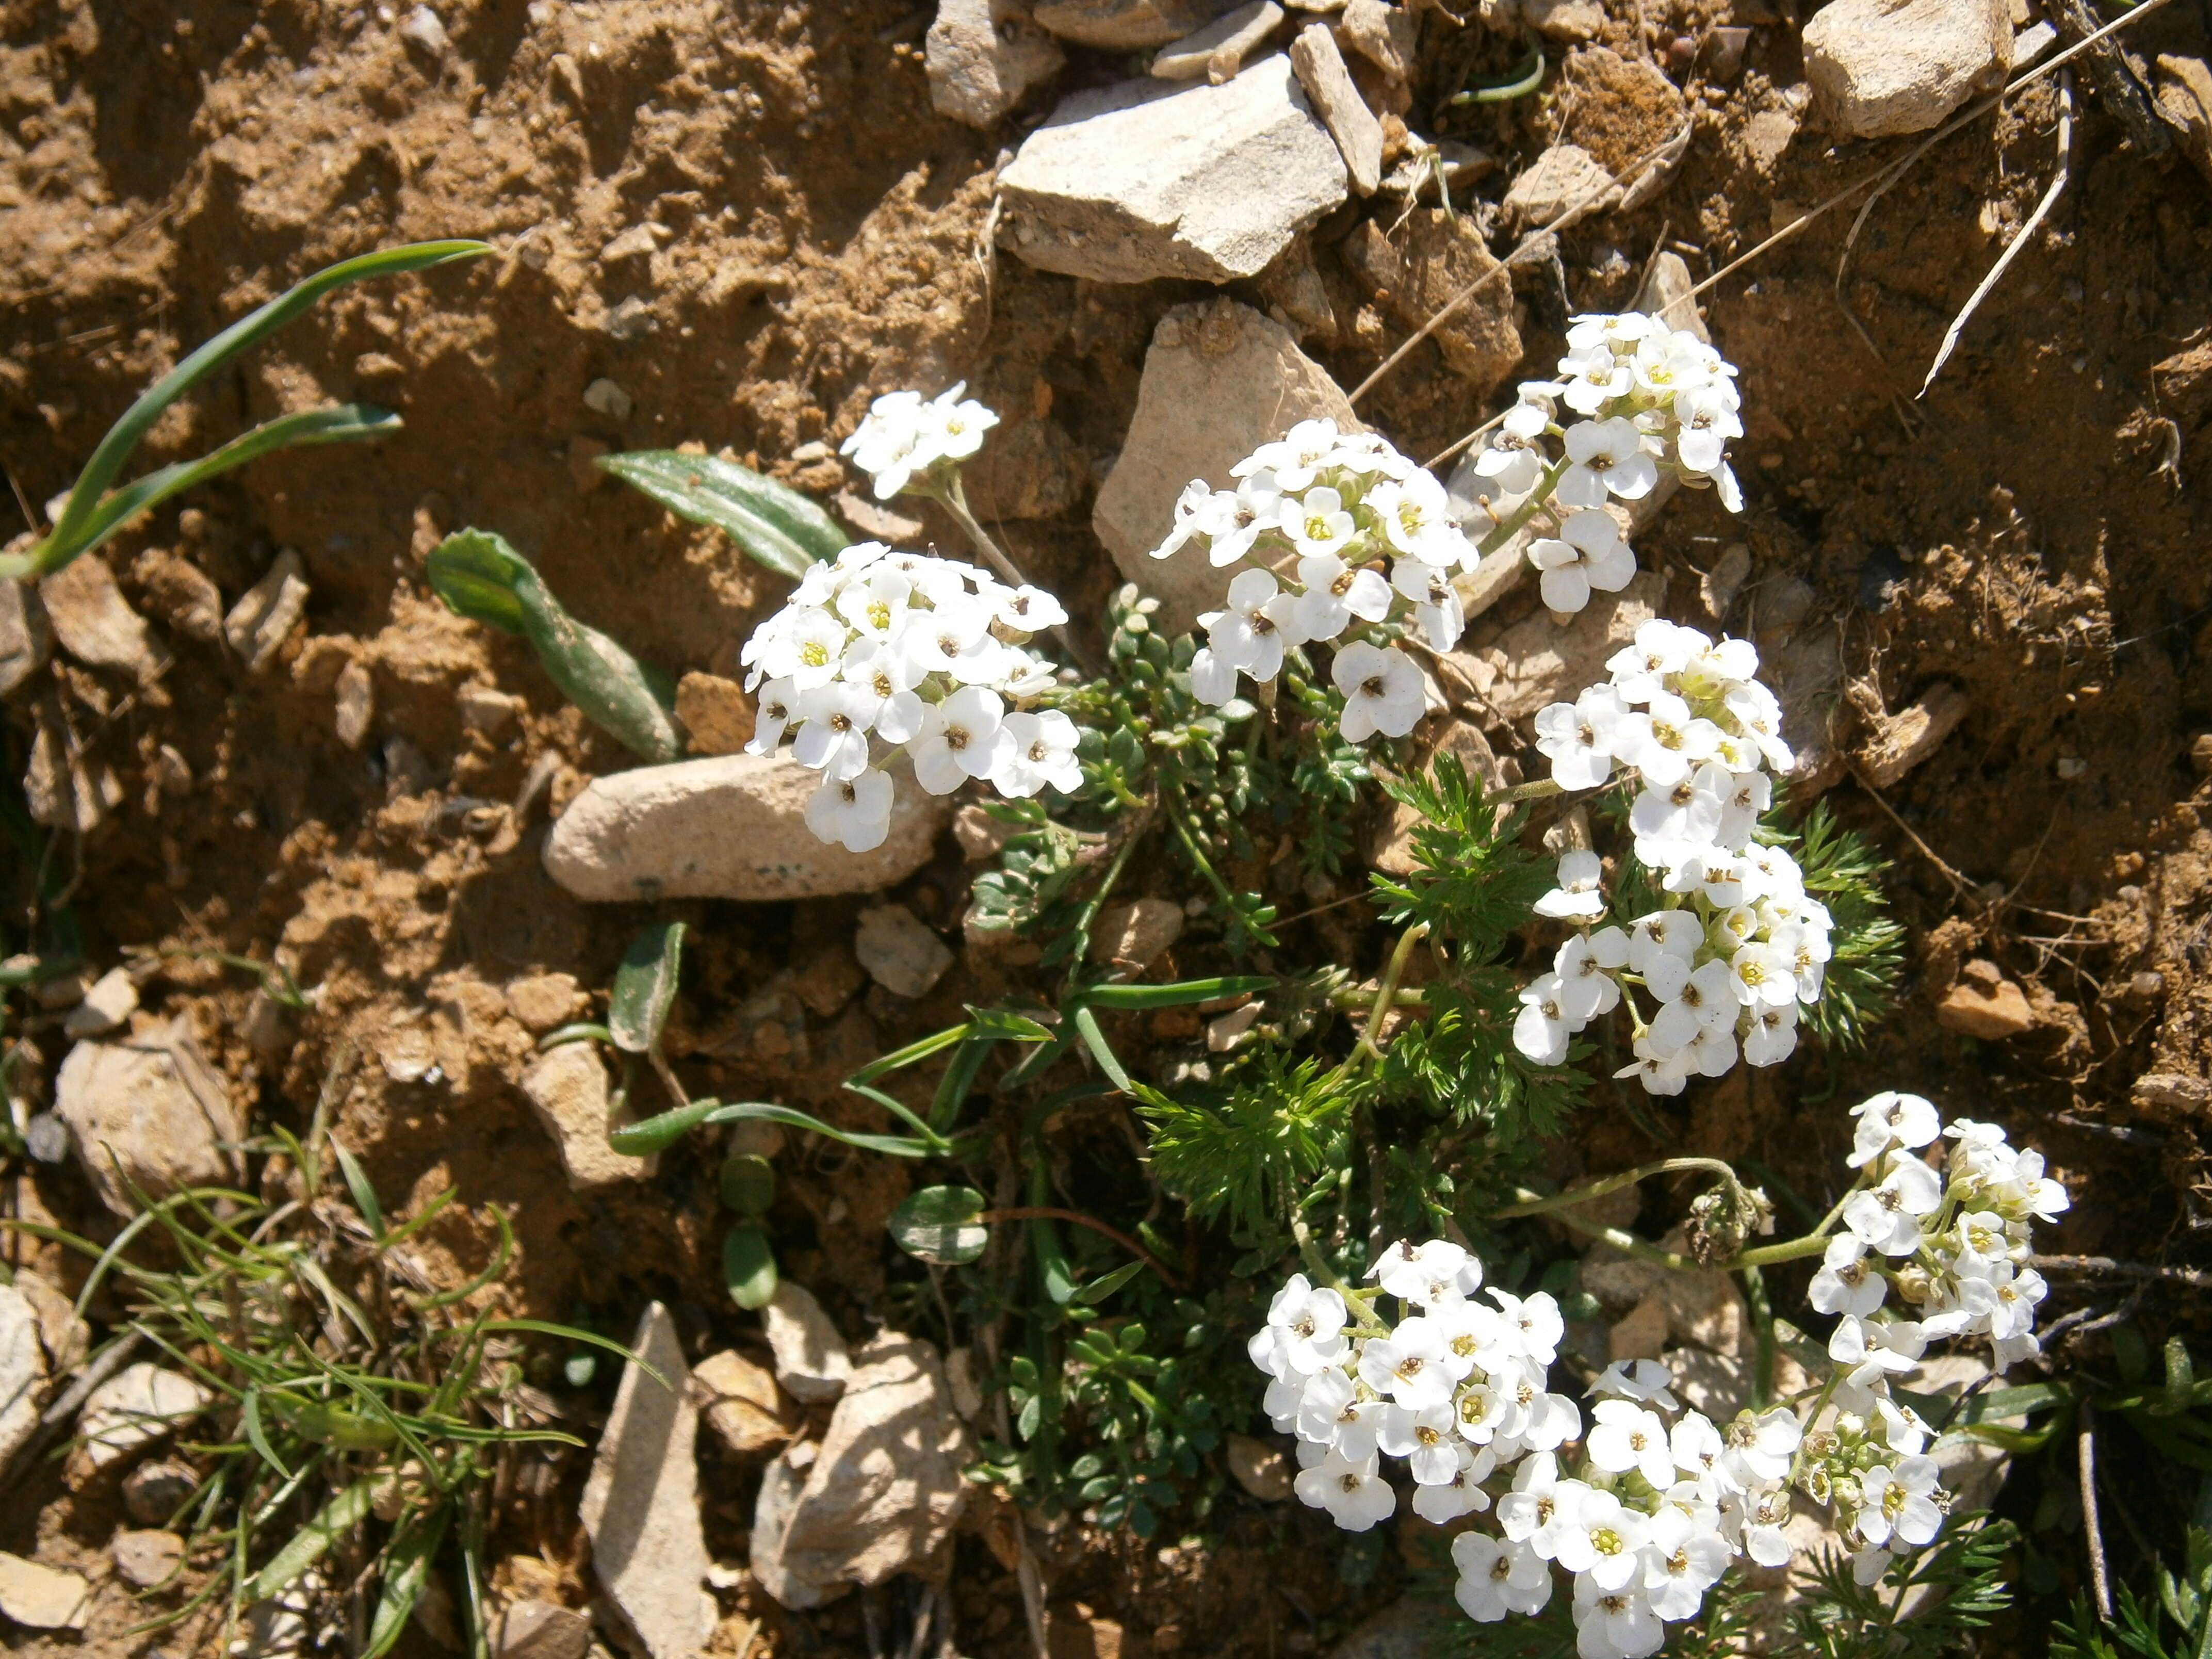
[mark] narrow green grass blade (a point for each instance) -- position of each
(655, 1135)
(406, 1570)
(313, 1541)
(257, 1437)
(777, 527)
(896, 1145)
(364, 1194)
(106, 463)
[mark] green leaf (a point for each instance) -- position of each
(748, 1185)
(357, 1183)
(1005, 1025)
(257, 1437)
(339, 1517)
(480, 577)
(775, 525)
(659, 1133)
(942, 1225)
(896, 1145)
(71, 534)
(645, 988)
(1169, 996)
(1097, 1290)
(748, 1266)
(1094, 1038)
(406, 1570)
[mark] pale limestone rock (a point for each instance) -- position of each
(543, 1630)
(567, 1086)
(156, 1490)
(899, 950)
(885, 1492)
(1358, 135)
(1566, 20)
(715, 712)
(1260, 1469)
(1441, 255)
(811, 1360)
(1537, 662)
(353, 703)
(93, 623)
(112, 998)
(1882, 67)
(641, 1503)
(26, 636)
(1385, 35)
(1136, 934)
(486, 710)
(1147, 178)
(1125, 25)
(742, 1403)
(146, 1558)
(152, 1105)
(1219, 380)
(782, 1482)
(42, 1598)
(1564, 184)
(138, 1404)
(264, 617)
(23, 1371)
(1219, 50)
(542, 1001)
(733, 826)
(983, 56)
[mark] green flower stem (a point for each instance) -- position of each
(1510, 526)
(1762, 1324)
(1354, 1304)
(1534, 789)
(1352, 999)
(1533, 1204)
(1766, 1255)
(942, 486)
(1626, 1243)
(1386, 992)
(1527, 1203)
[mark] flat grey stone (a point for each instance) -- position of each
(1125, 25)
(1358, 135)
(1882, 67)
(983, 56)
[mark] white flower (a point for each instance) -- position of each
(1868, 1354)
(1761, 977)
(1536, 1321)
(1580, 896)
(1424, 1438)
(1408, 1364)
(1594, 378)
(1887, 1215)
(1437, 608)
(1028, 609)
(1312, 1320)
(1295, 457)
(834, 739)
(1459, 1494)
(1200, 510)
(1759, 1521)
(944, 639)
(1708, 420)
(1587, 554)
(1602, 1539)
(1039, 749)
(1541, 1029)
(1608, 458)
(1511, 461)
(889, 678)
(1426, 1274)
(889, 443)
(1417, 517)
(1770, 1034)
(1890, 1119)
(1647, 1382)
(1498, 1577)
(1703, 1001)
(856, 812)
(1577, 737)
(1761, 1448)
(954, 424)
(1900, 1502)
(1317, 523)
(1614, 1624)
(1847, 1282)
(962, 738)
(1697, 1448)
(1627, 1436)
(1351, 1490)
(1661, 1071)
(1382, 691)
(777, 709)
(1332, 1413)
(1335, 593)
(1902, 1428)
(1681, 1562)
(1249, 634)
(1585, 965)
(1212, 681)
(1541, 1506)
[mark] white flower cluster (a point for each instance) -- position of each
(1951, 1244)
(1739, 944)
(1650, 399)
(902, 435)
(1315, 514)
(880, 651)
(1646, 1517)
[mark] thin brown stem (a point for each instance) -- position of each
(1045, 1212)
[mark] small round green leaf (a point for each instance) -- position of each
(748, 1266)
(942, 1225)
(748, 1185)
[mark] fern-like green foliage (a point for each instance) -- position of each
(1842, 1619)
(1475, 884)
(1844, 871)
(1239, 1147)
(2185, 1598)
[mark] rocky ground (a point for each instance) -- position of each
(248, 727)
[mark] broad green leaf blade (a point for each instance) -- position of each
(335, 423)
(942, 1225)
(657, 1134)
(406, 1570)
(748, 1267)
(747, 1185)
(1004, 1024)
(615, 691)
(308, 1545)
(645, 988)
(778, 527)
(1097, 1290)
(106, 463)
(1094, 1038)
(896, 1145)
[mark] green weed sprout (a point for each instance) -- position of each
(96, 509)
